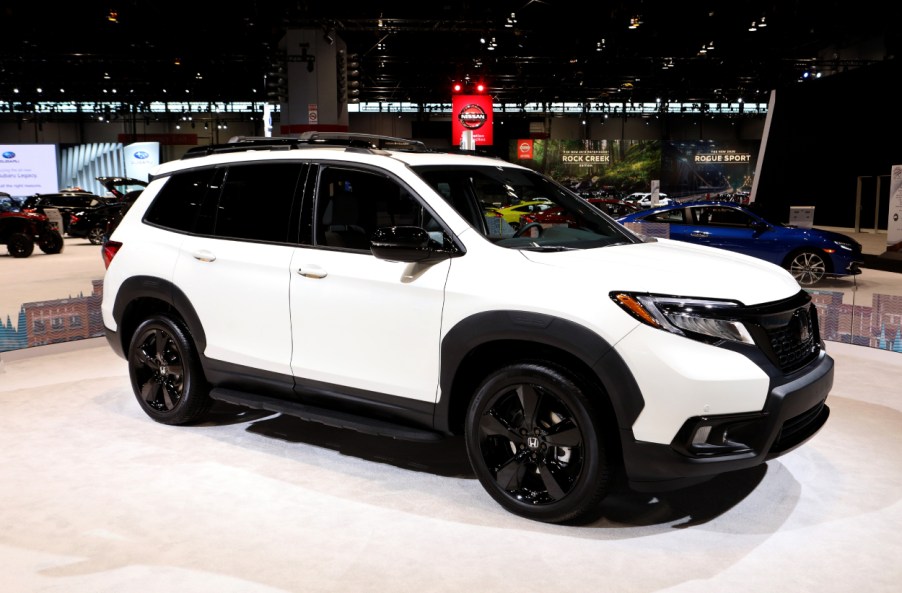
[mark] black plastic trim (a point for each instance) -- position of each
(568, 336)
(329, 417)
(655, 467)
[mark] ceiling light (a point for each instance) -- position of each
(761, 23)
(753, 27)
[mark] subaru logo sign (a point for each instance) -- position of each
(141, 155)
(9, 154)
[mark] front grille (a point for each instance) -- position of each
(787, 331)
(796, 343)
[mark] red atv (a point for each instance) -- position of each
(19, 231)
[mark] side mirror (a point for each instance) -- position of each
(408, 244)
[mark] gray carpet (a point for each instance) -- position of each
(98, 498)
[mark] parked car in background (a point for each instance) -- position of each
(92, 223)
(808, 254)
(513, 214)
(646, 201)
(557, 215)
(97, 221)
(67, 202)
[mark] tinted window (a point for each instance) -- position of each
(177, 205)
(256, 201)
(352, 204)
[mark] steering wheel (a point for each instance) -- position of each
(526, 227)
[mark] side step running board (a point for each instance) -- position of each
(326, 416)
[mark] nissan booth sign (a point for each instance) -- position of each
(472, 113)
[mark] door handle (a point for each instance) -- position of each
(204, 256)
(312, 271)
(699, 234)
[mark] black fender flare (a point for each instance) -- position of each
(138, 287)
(588, 346)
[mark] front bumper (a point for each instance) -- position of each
(706, 446)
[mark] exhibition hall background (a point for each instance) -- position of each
(822, 143)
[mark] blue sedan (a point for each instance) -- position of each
(808, 254)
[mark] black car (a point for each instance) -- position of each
(66, 202)
(92, 223)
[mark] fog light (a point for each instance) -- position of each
(701, 435)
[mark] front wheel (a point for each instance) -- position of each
(535, 444)
(165, 372)
(808, 267)
(20, 245)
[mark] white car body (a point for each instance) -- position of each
(345, 321)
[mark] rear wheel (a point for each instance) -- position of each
(20, 245)
(165, 372)
(535, 444)
(808, 267)
(51, 242)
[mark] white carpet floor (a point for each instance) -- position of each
(97, 498)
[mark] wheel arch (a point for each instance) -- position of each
(488, 340)
(142, 296)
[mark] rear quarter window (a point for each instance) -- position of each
(178, 203)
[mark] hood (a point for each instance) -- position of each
(831, 236)
(673, 267)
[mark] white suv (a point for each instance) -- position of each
(363, 282)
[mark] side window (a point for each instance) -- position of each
(729, 217)
(178, 204)
(668, 216)
(256, 201)
(352, 204)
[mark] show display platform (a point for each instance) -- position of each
(97, 497)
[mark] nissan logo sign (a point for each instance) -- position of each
(524, 147)
(472, 116)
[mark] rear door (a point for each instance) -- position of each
(234, 269)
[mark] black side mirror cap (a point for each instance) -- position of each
(408, 244)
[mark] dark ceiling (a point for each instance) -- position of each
(554, 51)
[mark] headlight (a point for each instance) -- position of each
(700, 319)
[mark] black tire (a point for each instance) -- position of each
(808, 267)
(165, 372)
(51, 242)
(95, 235)
(535, 443)
(20, 245)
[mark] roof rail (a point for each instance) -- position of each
(364, 141)
(308, 140)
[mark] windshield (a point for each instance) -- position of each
(522, 209)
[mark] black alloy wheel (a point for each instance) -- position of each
(20, 245)
(165, 372)
(51, 242)
(808, 267)
(535, 444)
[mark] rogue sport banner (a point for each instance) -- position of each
(472, 113)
